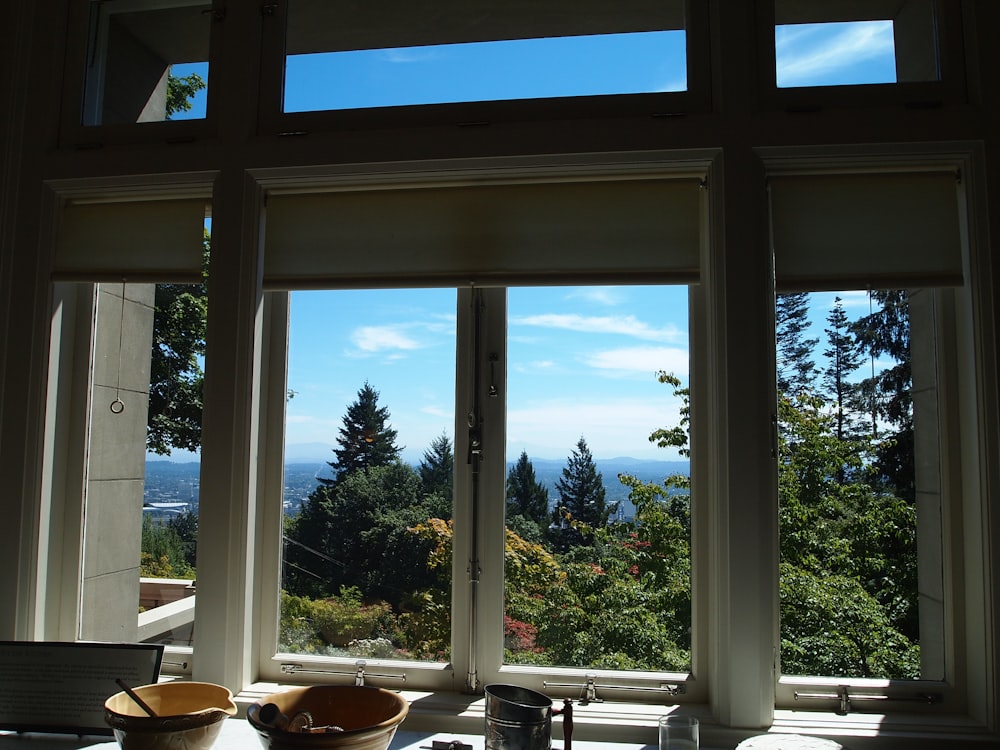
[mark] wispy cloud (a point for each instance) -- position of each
(812, 53)
(627, 325)
(410, 54)
(612, 427)
(639, 360)
(375, 339)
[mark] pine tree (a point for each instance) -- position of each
(581, 489)
(366, 440)
(796, 368)
(844, 358)
(526, 496)
(437, 468)
(886, 394)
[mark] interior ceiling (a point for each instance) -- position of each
(334, 25)
(175, 35)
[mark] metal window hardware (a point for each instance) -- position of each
(845, 698)
(446, 745)
(359, 672)
(589, 689)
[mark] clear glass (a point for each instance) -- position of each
(829, 44)
(346, 60)
(147, 65)
(859, 474)
(678, 732)
(366, 568)
(585, 395)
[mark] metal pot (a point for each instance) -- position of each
(518, 718)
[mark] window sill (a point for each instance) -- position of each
(633, 726)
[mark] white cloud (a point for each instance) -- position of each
(627, 325)
(806, 52)
(599, 295)
(373, 339)
(618, 427)
(647, 360)
(410, 54)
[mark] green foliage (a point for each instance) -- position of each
(437, 469)
(180, 92)
(365, 440)
(582, 503)
(164, 553)
(831, 626)
(527, 500)
(176, 377)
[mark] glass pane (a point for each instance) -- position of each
(147, 65)
(598, 514)
(859, 484)
(477, 52)
(836, 44)
(368, 474)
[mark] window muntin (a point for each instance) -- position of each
(368, 475)
(582, 382)
(848, 43)
(478, 52)
(146, 61)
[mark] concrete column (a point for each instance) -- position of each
(117, 459)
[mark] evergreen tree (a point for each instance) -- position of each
(365, 439)
(885, 332)
(526, 496)
(437, 469)
(844, 358)
(796, 368)
(581, 494)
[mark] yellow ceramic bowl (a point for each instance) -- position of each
(189, 716)
(368, 716)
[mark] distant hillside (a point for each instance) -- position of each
(170, 480)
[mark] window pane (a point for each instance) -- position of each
(835, 43)
(478, 52)
(147, 65)
(859, 485)
(368, 474)
(584, 400)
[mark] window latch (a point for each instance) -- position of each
(359, 674)
(589, 688)
(845, 699)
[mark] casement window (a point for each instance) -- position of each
(873, 438)
(483, 61)
(477, 598)
(856, 52)
(138, 53)
(113, 361)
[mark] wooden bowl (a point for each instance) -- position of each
(369, 717)
(189, 716)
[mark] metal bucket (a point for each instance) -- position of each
(517, 719)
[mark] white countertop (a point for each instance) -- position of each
(237, 734)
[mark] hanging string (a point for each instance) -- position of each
(118, 406)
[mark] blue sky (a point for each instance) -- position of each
(582, 361)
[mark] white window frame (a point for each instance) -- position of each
(485, 641)
(962, 403)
